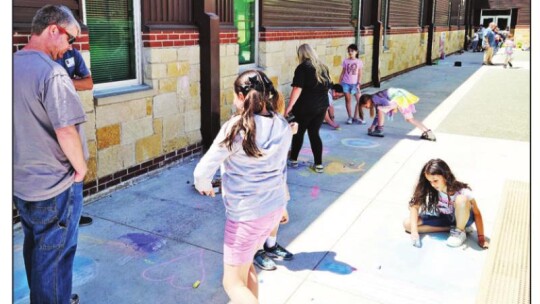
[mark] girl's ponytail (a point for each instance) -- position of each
(259, 93)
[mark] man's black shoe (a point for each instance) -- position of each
(85, 221)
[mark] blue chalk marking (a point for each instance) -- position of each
(338, 268)
(145, 242)
(359, 143)
(20, 286)
(84, 270)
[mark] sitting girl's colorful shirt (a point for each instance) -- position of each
(447, 207)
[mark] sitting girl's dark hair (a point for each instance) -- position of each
(425, 195)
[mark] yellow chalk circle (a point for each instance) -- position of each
(196, 284)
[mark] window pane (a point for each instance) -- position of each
(112, 45)
(244, 20)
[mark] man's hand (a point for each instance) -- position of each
(79, 176)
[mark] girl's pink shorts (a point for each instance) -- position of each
(242, 239)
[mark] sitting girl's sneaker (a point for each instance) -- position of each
(456, 238)
(428, 135)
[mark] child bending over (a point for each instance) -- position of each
(388, 102)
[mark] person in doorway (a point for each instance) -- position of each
(74, 64)
(489, 44)
(441, 203)
(481, 32)
(509, 46)
(49, 155)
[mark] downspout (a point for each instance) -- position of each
(358, 23)
(467, 33)
(208, 23)
(431, 18)
(377, 32)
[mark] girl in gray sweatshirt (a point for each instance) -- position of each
(251, 151)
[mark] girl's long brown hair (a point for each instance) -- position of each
(425, 195)
(363, 100)
(259, 92)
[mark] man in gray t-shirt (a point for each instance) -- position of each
(49, 155)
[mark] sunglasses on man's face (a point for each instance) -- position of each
(62, 30)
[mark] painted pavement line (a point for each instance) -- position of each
(437, 116)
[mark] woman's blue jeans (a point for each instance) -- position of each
(51, 229)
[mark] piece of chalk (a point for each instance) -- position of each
(196, 284)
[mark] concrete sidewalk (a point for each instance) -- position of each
(151, 241)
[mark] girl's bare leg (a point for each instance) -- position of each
(348, 104)
(423, 228)
(357, 108)
(417, 124)
(462, 211)
(240, 283)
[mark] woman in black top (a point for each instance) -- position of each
(308, 103)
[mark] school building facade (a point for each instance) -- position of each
(163, 69)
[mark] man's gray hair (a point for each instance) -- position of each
(53, 14)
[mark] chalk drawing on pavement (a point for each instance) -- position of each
(173, 273)
(359, 143)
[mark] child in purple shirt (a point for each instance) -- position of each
(389, 101)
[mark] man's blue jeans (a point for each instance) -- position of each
(51, 229)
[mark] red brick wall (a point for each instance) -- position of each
(278, 35)
(166, 38)
(21, 39)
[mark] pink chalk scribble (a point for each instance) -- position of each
(171, 272)
(315, 191)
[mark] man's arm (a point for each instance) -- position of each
(83, 84)
(71, 145)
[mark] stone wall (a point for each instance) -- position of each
(131, 134)
(453, 42)
(279, 60)
(228, 71)
(522, 36)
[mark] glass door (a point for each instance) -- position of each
(246, 22)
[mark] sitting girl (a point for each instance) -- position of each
(441, 203)
(389, 101)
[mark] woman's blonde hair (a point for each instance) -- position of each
(305, 52)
